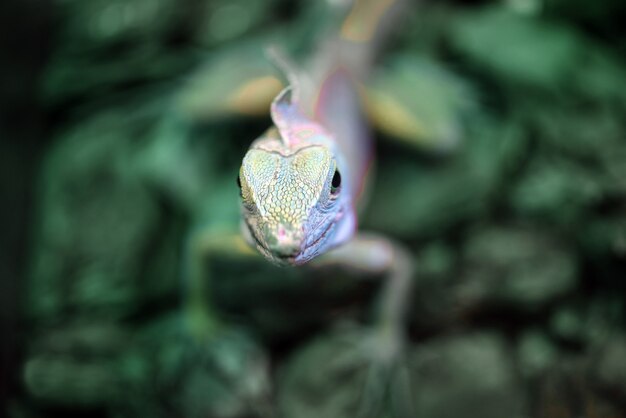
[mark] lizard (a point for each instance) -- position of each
(302, 181)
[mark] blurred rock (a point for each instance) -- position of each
(469, 376)
(514, 268)
(223, 375)
(76, 366)
(605, 236)
(587, 322)
(535, 353)
(336, 375)
(308, 386)
(566, 390)
(433, 306)
(156, 368)
(609, 367)
(567, 323)
(436, 262)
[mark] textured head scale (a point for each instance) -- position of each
(293, 204)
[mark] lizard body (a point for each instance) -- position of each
(301, 180)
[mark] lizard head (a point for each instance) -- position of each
(295, 204)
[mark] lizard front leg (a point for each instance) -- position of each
(202, 247)
(377, 255)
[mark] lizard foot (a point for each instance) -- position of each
(386, 386)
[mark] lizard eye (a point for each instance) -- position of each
(335, 184)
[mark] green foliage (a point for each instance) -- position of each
(507, 183)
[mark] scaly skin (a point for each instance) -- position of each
(296, 204)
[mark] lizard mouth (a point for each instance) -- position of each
(287, 260)
(302, 256)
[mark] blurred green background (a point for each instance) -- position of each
(502, 167)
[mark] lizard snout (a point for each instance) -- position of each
(285, 241)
